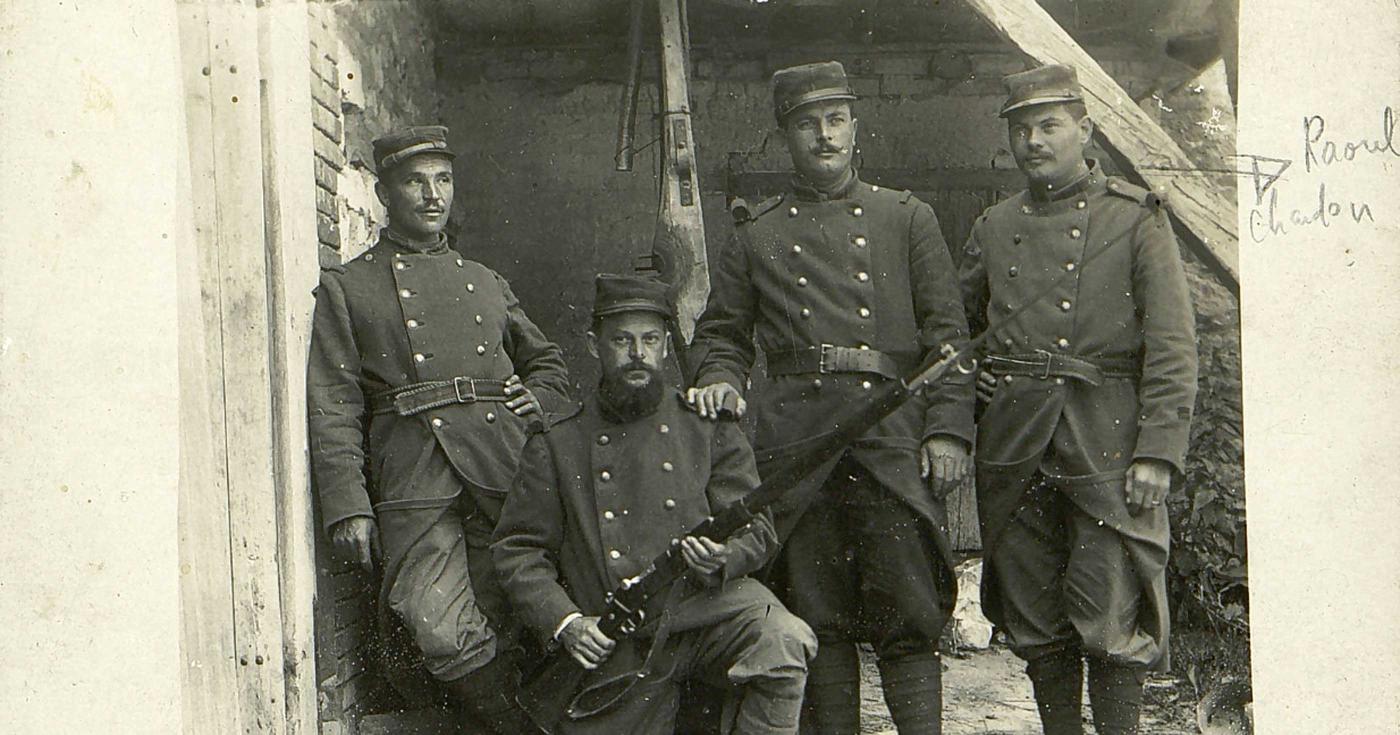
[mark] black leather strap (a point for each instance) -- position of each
(1046, 364)
(832, 359)
(412, 399)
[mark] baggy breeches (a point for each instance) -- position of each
(759, 654)
(1064, 578)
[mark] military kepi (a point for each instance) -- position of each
(1039, 86)
(617, 294)
(796, 86)
(400, 145)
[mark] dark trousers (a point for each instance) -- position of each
(859, 566)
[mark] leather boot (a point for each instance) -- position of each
(1058, 681)
(832, 702)
(488, 696)
(914, 693)
(1115, 696)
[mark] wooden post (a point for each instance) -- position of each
(1201, 214)
(680, 191)
(289, 198)
(219, 49)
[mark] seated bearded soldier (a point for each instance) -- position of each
(605, 490)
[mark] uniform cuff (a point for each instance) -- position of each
(571, 617)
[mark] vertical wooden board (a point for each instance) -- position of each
(289, 188)
(242, 283)
(686, 223)
(210, 681)
(1204, 216)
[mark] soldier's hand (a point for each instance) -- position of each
(703, 555)
(586, 643)
(986, 386)
(945, 462)
(708, 401)
(1147, 484)
(356, 539)
(522, 402)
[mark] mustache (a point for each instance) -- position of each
(821, 148)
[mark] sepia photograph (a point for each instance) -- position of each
(831, 367)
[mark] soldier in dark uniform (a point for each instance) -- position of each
(606, 490)
(424, 374)
(846, 285)
(1091, 393)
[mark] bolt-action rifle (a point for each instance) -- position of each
(547, 697)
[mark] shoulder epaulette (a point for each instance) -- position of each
(569, 413)
(905, 196)
(742, 212)
(1132, 192)
(333, 268)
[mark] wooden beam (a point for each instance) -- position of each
(220, 44)
(1201, 214)
(681, 222)
(289, 200)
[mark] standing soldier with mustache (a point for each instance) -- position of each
(424, 374)
(1091, 394)
(846, 285)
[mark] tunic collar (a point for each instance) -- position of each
(1093, 179)
(807, 192)
(406, 245)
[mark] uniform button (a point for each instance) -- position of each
(664, 429)
(437, 423)
(615, 554)
(1016, 239)
(806, 313)
(862, 276)
(802, 280)
(1013, 271)
(605, 475)
(857, 211)
(1059, 381)
(478, 319)
(609, 515)
(1063, 343)
(369, 257)
(418, 357)
(481, 349)
(1074, 232)
(792, 211)
(1064, 305)
(1009, 342)
(1006, 379)
(860, 241)
(1025, 209)
(862, 347)
(796, 249)
(817, 383)
(412, 323)
(865, 384)
(667, 467)
(490, 417)
(460, 263)
(1070, 266)
(471, 288)
(864, 312)
(405, 293)
(874, 187)
(398, 265)
(603, 439)
(670, 503)
(1079, 204)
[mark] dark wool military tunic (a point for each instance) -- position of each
(435, 480)
(1130, 303)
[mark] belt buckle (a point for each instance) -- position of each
(457, 384)
(1046, 354)
(826, 349)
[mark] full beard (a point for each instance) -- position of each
(624, 402)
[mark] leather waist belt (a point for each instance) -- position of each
(832, 359)
(1044, 364)
(408, 400)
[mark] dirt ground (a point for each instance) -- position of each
(987, 693)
